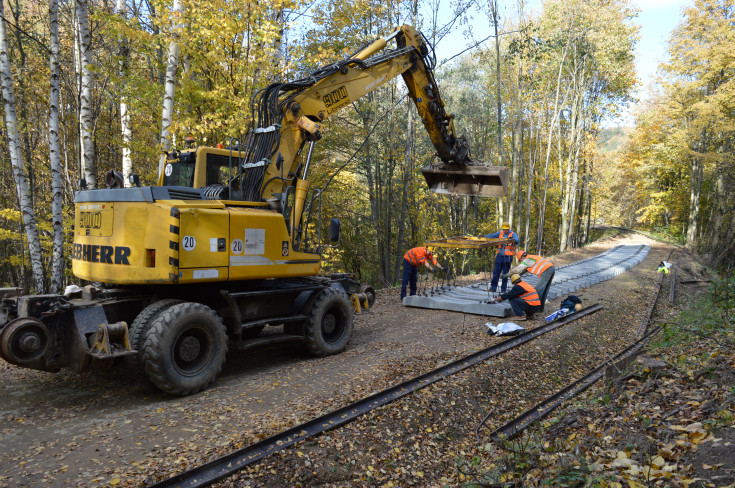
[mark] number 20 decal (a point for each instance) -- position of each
(236, 247)
(188, 243)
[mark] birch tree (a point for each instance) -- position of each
(57, 263)
(125, 122)
(16, 158)
(172, 65)
(86, 120)
(499, 104)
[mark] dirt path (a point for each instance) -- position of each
(110, 429)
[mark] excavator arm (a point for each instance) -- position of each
(289, 116)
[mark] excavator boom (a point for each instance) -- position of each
(291, 114)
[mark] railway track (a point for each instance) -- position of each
(542, 409)
(218, 469)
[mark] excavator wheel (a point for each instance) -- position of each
(329, 323)
(140, 327)
(24, 341)
(185, 348)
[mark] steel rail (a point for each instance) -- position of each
(213, 471)
(643, 327)
(673, 284)
(542, 409)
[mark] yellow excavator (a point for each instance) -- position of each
(221, 247)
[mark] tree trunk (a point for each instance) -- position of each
(170, 87)
(85, 101)
(719, 210)
(126, 128)
(21, 70)
(278, 18)
(554, 120)
(494, 7)
(569, 206)
(694, 196)
(57, 255)
(16, 159)
(586, 198)
(518, 177)
(407, 174)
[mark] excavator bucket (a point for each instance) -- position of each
(474, 180)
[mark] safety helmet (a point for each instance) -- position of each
(506, 226)
(515, 277)
(520, 254)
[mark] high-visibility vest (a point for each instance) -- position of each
(507, 249)
(539, 266)
(418, 256)
(531, 296)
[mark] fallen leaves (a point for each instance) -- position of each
(651, 429)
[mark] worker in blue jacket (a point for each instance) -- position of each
(505, 256)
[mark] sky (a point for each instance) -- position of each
(658, 18)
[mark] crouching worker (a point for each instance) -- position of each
(541, 267)
(411, 261)
(523, 299)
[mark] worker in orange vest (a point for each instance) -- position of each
(505, 256)
(541, 267)
(411, 261)
(522, 297)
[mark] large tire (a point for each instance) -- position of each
(185, 348)
(140, 327)
(329, 323)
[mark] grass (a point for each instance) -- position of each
(712, 313)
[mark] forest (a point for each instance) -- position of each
(90, 86)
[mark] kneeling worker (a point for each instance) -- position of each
(411, 261)
(522, 297)
(541, 267)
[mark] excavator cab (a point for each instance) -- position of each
(204, 167)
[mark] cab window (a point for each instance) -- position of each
(218, 169)
(179, 174)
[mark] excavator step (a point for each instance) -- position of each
(473, 180)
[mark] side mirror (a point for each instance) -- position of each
(334, 230)
(134, 180)
(82, 184)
